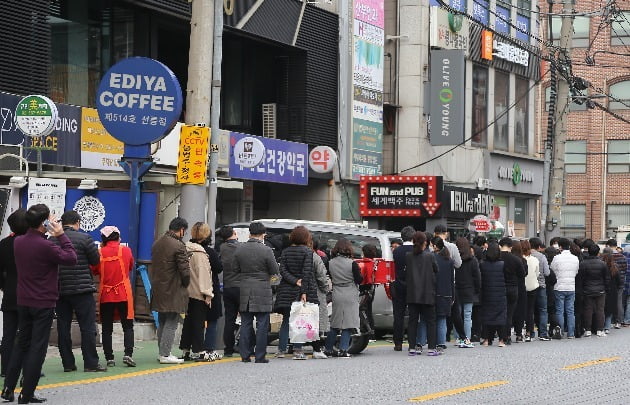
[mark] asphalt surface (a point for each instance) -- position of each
(523, 373)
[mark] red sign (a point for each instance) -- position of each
(410, 196)
(322, 159)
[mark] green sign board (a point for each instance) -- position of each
(36, 115)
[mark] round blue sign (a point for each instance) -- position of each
(139, 100)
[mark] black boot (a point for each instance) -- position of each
(8, 395)
(32, 400)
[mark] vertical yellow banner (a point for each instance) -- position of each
(192, 161)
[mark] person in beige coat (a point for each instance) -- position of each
(199, 297)
(170, 276)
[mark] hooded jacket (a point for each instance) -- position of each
(200, 285)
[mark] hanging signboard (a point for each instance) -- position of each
(36, 115)
(192, 163)
(410, 196)
(447, 97)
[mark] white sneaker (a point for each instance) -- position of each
(601, 333)
(170, 360)
(587, 333)
(319, 355)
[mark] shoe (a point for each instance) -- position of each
(170, 360)
(281, 354)
(247, 360)
(570, 337)
(7, 395)
(466, 344)
(69, 369)
(443, 347)
(111, 363)
(418, 350)
(299, 355)
(485, 343)
(128, 361)
(475, 338)
(214, 355)
(228, 354)
(587, 333)
(434, 352)
(97, 369)
(319, 355)
(508, 341)
(557, 333)
(519, 339)
(411, 352)
(186, 356)
(617, 325)
(528, 338)
(398, 348)
(32, 400)
(331, 353)
(501, 344)
(600, 333)
(544, 338)
(606, 331)
(344, 355)
(263, 361)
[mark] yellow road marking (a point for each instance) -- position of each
(456, 391)
(590, 363)
(133, 374)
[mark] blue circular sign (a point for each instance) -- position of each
(139, 100)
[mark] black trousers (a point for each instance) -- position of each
(399, 306)
(9, 330)
(457, 320)
(107, 321)
(512, 300)
(30, 350)
(231, 302)
(520, 312)
(84, 306)
(531, 309)
(428, 315)
(594, 305)
(491, 330)
(194, 326)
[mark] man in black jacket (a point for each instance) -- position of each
(514, 271)
(76, 289)
(399, 287)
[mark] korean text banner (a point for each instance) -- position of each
(283, 161)
(192, 162)
(447, 97)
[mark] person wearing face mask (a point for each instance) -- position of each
(170, 278)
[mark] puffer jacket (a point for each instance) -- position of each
(200, 285)
(593, 277)
(296, 262)
(78, 279)
(170, 274)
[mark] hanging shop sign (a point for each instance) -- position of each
(410, 196)
(448, 30)
(513, 174)
(322, 159)
(486, 45)
(139, 100)
(447, 97)
(36, 115)
(249, 152)
(282, 161)
(480, 223)
(465, 203)
(192, 163)
(511, 53)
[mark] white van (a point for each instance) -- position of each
(326, 234)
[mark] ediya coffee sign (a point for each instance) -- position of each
(399, 195)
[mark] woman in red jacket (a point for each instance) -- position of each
(115, 293)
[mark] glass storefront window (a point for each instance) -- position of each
(480, 106)
(501, 113)
(521, 113)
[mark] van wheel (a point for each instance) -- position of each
(358, 344)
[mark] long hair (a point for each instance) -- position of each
(438, 242)
(517, 249)
(419, 242)
(610, 263)
(493, 253)
(464, 248)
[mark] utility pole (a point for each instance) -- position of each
(193, 197)
(556, 193)
(215, 114)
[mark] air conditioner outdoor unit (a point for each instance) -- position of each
(269, 120)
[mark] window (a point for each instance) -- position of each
(616, 215)
(580, 31)
(620, 95)
(521, 116)
(620, 29)
(501, 112)
(619, 156)
(480, 106)
(573, 220)
(572, 107)
(501, 22)
(523, 24)
(575, 157)
(481, 11)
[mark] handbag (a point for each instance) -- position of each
(303, 322)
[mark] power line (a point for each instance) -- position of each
(496, 119)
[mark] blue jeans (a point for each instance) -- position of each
(541, 303)
(441, 330)
(467, 309)
(262, 329)
(283, 338)
(344, 341)
(608, 322)
(422, 333)
(626, 318)
(565, 301)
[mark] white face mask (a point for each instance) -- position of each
(556, 246)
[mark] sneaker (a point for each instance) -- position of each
(214, 355)
(443, 347)
(281, 354)
(331, 353)
(617, 326)
(418, 349)
(434, 352)
(186, 356)
(544, 338)
(466, 344)
(519, 339)
(570, 337)
(170, 360)
(344, 355)
(97, 369)
(411, 352)
(501, 344)
(528, 338)
(299, 355)
(606, 331)
(557, 333)
(111, 363)
(319, 355)
(601, 333)
(398, 348)
(587, 333)
(128, 361)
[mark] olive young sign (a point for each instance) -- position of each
(399, 195)
(139, 100)
(447, 97)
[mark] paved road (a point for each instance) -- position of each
(524, 373)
